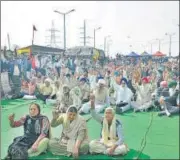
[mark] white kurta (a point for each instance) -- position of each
(124, 94)
(143, 97)
(101, 102)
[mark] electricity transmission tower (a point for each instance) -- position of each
(52, 39)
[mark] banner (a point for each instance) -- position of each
(96, 54)
(22, 51)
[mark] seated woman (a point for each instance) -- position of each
(74, 138)
(64, 100)
(56, 90)
(45, 91)
(112, 140)
(36, 134)
(32, 87)
(123, 97)
(102, 98)
(24, 88)
(30, 93)
(76, 96)
(85, 89)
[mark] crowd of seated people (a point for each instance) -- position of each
(108, 90)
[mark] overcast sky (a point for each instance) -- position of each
(140, 21)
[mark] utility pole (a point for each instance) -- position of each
(94, 38)
(108, 47)
(83, 33)
(95, 29)
(53, 37)
(170, 41)
(105, 42)
(151, 47)
(64, 20)
(9, 41)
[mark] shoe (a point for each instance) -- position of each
(119, 110)
(159, 114)
(82, 113)
(168, 114)
(136, 110)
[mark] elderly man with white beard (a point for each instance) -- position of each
(102, 98)
(123, 96)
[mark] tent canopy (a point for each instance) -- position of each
(145, 54)
(159, 54)
(133, 54)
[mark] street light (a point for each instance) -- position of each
(170, 41)
(151, 46)
(105, 38)
(96, 29)
(64, 15)
(108, 46)
(159, 43)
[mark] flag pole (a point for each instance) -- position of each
(33, 36)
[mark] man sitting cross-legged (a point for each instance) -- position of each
(112, 141)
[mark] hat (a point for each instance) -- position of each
(102, 81)
(172, 83)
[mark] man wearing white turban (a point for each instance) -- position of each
(102, 98)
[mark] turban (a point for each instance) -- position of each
(102, 81)
(47, 80)
(82, 80)
(145, 79)
(116, 73)
(164, 84)
(172, 83)
(100, 77)
(124, 79)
